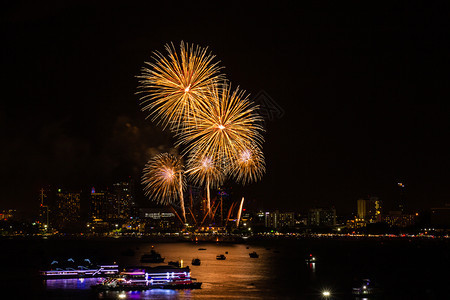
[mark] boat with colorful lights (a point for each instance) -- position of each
(71, 268)
(145, 278)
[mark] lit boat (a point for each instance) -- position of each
(82, 269)
(311, 259)
(220, 257)
(143, 278)
(366, 289)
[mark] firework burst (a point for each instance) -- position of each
(176, 86)
(248, 165)
(227, 124)
(163, 180)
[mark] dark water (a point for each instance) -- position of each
(404, 269)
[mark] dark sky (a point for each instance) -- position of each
(364, 89)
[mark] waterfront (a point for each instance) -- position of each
(404, 268)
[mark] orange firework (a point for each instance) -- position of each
(248, 165)
(163, 180)
(207, 171)
(227, 124)
(176, 86)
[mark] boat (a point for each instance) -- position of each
(201, 249)
(366, 289)
(221, 257)
(70, 268)
(196, 262)
(152, 257)
(146, 278)
(174, 263)
(253, 254)
(311, 259)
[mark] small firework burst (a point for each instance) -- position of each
(163, 178)
(248, 165)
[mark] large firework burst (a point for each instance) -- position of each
(163, 179)
(176, 86)
(226, 125)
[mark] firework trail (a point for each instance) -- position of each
(205, 171)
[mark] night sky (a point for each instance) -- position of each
(364, 91)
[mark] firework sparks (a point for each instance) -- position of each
(163, 180)
(226, 125)
(206, 171)
(176, 86)
(248, 166)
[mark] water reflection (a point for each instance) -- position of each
(71, 284)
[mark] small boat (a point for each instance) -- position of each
(226, 252)
(221, 257)
(311, 259)
(366, 289)
(196, 262)
(183, 284)
(152, 257)
(201, 248)
(253, 254)
(174, 263)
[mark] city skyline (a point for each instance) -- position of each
(361, 91)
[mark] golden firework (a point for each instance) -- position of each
(161, 178)
(206, 171)
(248, 165)
(227, 124)
(176, 86)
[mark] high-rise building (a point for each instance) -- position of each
(101, 208)
(44, 210)
(122, 200)
(323, 217)
(369, 210)
(67, 209)
(279, 219)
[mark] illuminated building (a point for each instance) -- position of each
(158, 219)
(396, 218)
(322, 217)
(356, 223)
(67, 208)
(122, 201)
(278, 219)
(99, 205)
(369, 210)
(44, 211)
(401, 199)
(7, 214)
